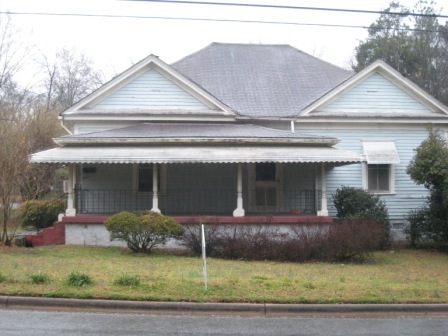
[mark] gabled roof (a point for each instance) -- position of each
(435, 108)
(150, 62)
(261, 81)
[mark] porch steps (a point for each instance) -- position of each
(54, 235)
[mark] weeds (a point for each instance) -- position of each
(39, 277)
(127, 280)
(77, 279)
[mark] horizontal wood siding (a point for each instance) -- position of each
(151, 90)
(408, 196)
(376, 94)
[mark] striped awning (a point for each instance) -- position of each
(200, 154)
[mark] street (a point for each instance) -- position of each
(15, 322)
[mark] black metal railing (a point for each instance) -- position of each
(204, 201)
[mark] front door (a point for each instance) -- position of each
(265, 187)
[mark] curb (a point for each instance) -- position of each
(247, 309)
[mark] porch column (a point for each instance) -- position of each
(71, 211)
(155, 189)
(239, 211)
(324, 207)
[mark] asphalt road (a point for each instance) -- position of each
(16, 322)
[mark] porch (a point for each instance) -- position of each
(221, 192)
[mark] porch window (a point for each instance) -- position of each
(142, 176)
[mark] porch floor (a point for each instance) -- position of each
(216, 219)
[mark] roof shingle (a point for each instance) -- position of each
(261, 80)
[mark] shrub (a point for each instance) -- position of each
(191, 239)
(356, 203)
(39, 278)
(127, 280)
(346, 239)
(249, 243)
(41, 214)
(349, 239)
(78, 279)
(143, 230)
(305, 243)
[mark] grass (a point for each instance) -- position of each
(401, 276)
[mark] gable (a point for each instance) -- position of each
(151, 90)
(375, 94)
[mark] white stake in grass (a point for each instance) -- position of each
(204, 262)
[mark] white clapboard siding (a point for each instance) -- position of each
(408, 196)
(151, 90)
(376, 94)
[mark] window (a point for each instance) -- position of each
(142, 176)
(378, 178)
(379, 170)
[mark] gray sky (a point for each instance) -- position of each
(115, 43)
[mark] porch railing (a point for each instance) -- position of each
(195, 202)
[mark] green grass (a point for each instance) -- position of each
(402, 276)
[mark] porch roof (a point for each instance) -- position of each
(187, 133)
(199, 154)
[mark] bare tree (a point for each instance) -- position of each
(69, 76)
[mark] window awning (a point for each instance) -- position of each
(202, 154)
(381, 152)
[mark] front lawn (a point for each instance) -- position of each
(400, 276)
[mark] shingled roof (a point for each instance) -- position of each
(261, 80)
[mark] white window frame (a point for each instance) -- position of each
(162, 176)
(365, 179)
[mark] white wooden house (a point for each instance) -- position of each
(241, 133)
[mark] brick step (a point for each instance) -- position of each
(54, 235)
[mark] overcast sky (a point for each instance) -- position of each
(116, 43)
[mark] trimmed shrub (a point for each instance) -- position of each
(191, 239)
(78, 279)
(143, 230)
(41, 214)
(356, 203)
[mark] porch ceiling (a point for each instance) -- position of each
(202, 154)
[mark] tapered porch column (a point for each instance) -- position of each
(155, 189)
(71, 211)
(324, 207)
(239, 211)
